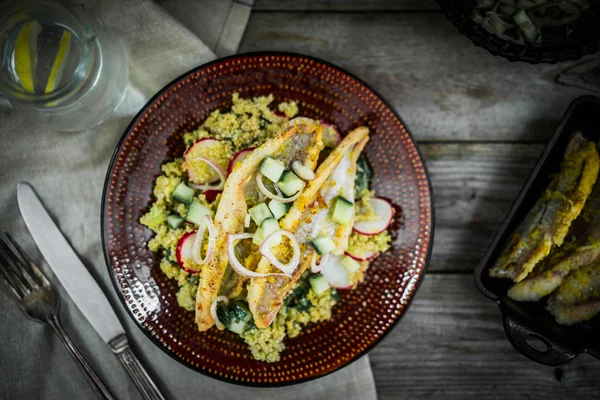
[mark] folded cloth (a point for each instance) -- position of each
(68, 171)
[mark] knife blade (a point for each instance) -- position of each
(68, 268)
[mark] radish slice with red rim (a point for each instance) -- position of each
(213, 310)
(236, 264)
(217, 168)
(335, 273)
(201, 148)
(184, 251)
(211, 194)
(238, 158)
(275, 237)
(384, 211)
(363, 257)
(331, 135)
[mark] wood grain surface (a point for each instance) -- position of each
(481, 123)
(443, 86)
(451, 345)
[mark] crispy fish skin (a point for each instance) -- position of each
(583, 248)
(577, 299)
(300, 139)
(548, 222)
(266, 295)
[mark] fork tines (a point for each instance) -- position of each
(22, 275)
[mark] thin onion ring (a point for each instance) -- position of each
(265, 250)
(219, 172)
(212, 240)
(317, 267)
(236, 265)
(213, 310)
(263, 189)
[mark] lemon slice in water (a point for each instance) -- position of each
(26, 54)
(59, 62)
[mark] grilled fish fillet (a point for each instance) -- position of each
(300, 139)
(548, 222)
(582, 248)
(307, 216)
(578, 298)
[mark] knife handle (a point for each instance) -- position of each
(134, 368)
(97, 386)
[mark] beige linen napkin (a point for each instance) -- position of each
(68, 171)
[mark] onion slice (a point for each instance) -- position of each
(219, 172)
(303, 171)
(279, 198)
(210, 251)
(315, 266)
(247, 221)
(213, 310)
(235, 263)
(265, 250)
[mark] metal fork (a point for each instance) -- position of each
(38, 300)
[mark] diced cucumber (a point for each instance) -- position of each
(238, 327)
(278, 209)
(269, 225)
(258, 237)
(259, 213)
(318, 283)
(196, 211)
(241, 311)
(174, 221)
(323, 245)
(183, 193)
(350, 264)
(272, 168)
(236, 317)
(290, 184)
(343, 211)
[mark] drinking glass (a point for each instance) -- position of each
(59, 66)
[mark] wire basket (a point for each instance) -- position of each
(584, 39)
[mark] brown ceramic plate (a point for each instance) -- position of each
(323, 91)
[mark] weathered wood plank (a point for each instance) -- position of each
(444, 87)
(345, 5)
(474, 185)
(451, 345)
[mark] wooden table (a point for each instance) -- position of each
(481, 122)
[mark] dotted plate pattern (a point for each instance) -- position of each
(325, 92)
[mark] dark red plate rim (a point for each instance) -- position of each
(110, 172)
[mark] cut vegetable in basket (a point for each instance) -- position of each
(524, 21)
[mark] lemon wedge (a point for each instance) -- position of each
(26, 54)
(59, 62)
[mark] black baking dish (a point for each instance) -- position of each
(527, 323)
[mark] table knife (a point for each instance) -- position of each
(81, 286)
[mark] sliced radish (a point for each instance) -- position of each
(335, 273)
(198, 150)
(364, 257)
(185, 251)
(331, 135)
(238, 158)
(383, 209)
(211, 194)
(279, 114)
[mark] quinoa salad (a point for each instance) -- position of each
(265, 219)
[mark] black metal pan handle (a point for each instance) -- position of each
(533, 345)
